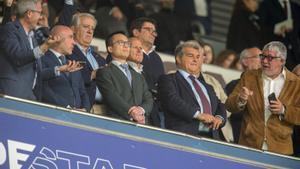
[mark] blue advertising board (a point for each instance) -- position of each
(38, 141)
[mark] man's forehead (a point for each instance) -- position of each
(118, 37)
(187, 50)
(270, 52)
(136, 42)
(86, 19)
(149, 24)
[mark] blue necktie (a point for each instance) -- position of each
(127, 71)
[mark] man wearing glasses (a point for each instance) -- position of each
(19, 53)
(125, 92)
(270, 100)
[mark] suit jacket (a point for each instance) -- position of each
(179, 104)
(271, 13)
(244, 30)
(235, 118)
(117, 93)
(17, 62)
(62, 90)
(90, 85)
(277, 132)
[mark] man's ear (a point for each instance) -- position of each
(73, 28)
(28, 14)
(109, 49)
(178, 60)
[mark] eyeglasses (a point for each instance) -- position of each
(122, 43)
(252, 57)
(151, 30)
(268, 57)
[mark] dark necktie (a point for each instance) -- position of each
(204, 101)
(127, 71)
(285, 8)
(63, 60)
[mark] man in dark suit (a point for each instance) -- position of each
(145, 30)
(83, 25)
(190, 105)
(280, 22)
(62, 82)
(125, 92)
(19, 52)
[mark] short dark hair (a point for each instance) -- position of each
(108, 39)
(139, 22)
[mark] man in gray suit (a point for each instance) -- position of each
(19, 52)
(125, 92)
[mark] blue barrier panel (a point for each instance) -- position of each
(35, 136)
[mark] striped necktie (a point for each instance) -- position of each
(204, 101)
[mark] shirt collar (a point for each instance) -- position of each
(117, 63)
(150, 51)
(81, 48)
(282, 2)
(185, 74)
(135, 67)
(281, 75)
(57, 54)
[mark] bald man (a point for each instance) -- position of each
(62, 82)
(249, 58)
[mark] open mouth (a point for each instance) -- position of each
(266, 67)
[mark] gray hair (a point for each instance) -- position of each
(190, 43)
(277, 46)
(76, 18)
(24, 5)
(244, 54)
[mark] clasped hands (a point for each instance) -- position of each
(210, 120)
(137, 114)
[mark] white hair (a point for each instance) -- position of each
(277, 46)
(24, 5)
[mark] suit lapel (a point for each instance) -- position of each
(287, 86)
(135, 84)
(22, 34)
(56, 62)
(259, 81)
(119, 75)
(277, 7)
(81, 55)
(186, 85)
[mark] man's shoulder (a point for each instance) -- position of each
(76, 53)
(11, 24)
(252, 73)
(10, 28)
(170, 77)
(107, 69)
(292, 77)
(47, 56)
